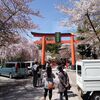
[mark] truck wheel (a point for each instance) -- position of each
(10, 76)
(95, 96)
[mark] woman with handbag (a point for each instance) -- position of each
(63, 82)
(48, 83)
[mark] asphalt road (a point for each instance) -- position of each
(22, 89)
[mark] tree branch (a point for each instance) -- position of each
(12, 13)
(10, 17)
(87, 14)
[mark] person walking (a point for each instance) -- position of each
(48, 83)
(63, 82)
(35, 75)
(39, 75)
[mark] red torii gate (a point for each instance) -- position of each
(44, 42)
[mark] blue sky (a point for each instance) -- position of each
(52, 17)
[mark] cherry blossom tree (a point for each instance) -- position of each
(21, 51)
(15, 18)
(80, 11)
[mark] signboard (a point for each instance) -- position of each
(57, 37)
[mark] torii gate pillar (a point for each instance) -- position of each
(72, 51)
(43, 50)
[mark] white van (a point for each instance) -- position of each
(29, 65)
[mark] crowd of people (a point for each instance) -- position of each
(46, 78)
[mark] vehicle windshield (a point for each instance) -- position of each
(9, 65)
(27, 64)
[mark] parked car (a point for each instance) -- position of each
(29, 65)
(14, 69)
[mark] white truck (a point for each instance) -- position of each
(88, 79)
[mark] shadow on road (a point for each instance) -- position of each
(15, 92)
(71, 94)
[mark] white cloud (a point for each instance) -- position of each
(58, 28)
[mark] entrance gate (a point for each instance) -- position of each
(44, 42)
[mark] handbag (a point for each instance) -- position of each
(68, 86)
(51, 85)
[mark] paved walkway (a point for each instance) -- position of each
(28, 92)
